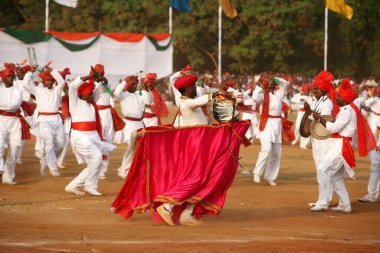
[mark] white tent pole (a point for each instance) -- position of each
(47, 16)
(220, 46)
(326, 36)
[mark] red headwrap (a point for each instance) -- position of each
(25, 68)
(130, 80)
(150, 78)
(324, 82)
(65, 72)
(346, 92)
(86, 88)
(9, 68)
(185, 81)
(187, 68)
(99, 68)
(230, 83)
(45, 74)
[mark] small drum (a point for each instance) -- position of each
(305, 126)
(222, 111)
(318, 131)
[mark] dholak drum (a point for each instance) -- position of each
(223, 110)
(305, 126)
(318, 131)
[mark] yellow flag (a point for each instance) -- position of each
(228, 9)
(340, 6)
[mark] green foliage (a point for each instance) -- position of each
(277, 35)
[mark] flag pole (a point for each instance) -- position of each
(326, 36)
(47, 16)
(220, 45)
(170, 20)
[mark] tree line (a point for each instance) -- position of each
(267, 35)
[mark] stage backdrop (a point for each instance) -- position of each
(121, 53)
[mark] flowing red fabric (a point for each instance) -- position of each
(118, 123)
(336, 108)
(366, 140)
(285, 108)
(265, 111)
(28, 108)
(347, 151)
(287, 133)
(65, 107)
(98, 121)
(244, 108)
(159, 106)
(198, 169)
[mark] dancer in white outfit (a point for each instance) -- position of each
(86, 136)
(270, 128)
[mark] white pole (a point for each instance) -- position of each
(170, 20)
(47, 16)
(326, 36)
(220, 46)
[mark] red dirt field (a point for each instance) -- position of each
(37, 215)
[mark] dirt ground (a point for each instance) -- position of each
(37, 215)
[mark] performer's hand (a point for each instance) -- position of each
(307, 108)
(377, 148)
(147, 106)
(34, 68)
(316, 115)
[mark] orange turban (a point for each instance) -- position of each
(45, 74)
(99, 68)
(346, 92)
(323, 80)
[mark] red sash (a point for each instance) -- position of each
(47, 113)
(274, 117)
(65, 107)
(347, 151)
(149, 115)
(132, 119)
(28, 108)
(84, 126)
(104, 107)
(25, 133)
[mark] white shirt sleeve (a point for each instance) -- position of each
(27, 84)
(200, 101)
(73, 90)
(342, 119)
(119, 89)
(14, 102)
(258, 94)
(59, 79)
(283, 85)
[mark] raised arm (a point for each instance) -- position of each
(119, 89)
(27, 84)
(59, 79)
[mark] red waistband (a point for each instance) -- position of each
(336, 135)
(10, 114)
(274, 117)
(149, 115)
(103, 107)
(132, 119)
(47, 113)
(84, 126)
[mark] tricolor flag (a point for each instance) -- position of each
(181, 5)
(228, 9)
(68, 3)
(340, 6)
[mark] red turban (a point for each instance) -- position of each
(346, 92)
(230, 83)
(9, 69)
(129, 80)
(323, 80)
(99, 68)
(187, 68)
(65, 72)
(185, 81)
(25, 68)
(151, 77)
(45, 74)
(86, 88)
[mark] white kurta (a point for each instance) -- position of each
(270, 137)
(191, 111)
(131, 106)
(105, 99)
(148, 99)
(374, 114)
(333, 166)
(87, 145)
(10, 130)
(248, 101)
(50, 126)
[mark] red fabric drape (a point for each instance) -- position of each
(25, 128)
(98, 121)
(197, 169)
(265, 111)
(332, 95)
(287, 133)
(159, 106)
(366, 140)
(65, 107)
(28, 108)
(118, 123)
(347, 151)
(73, 36)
